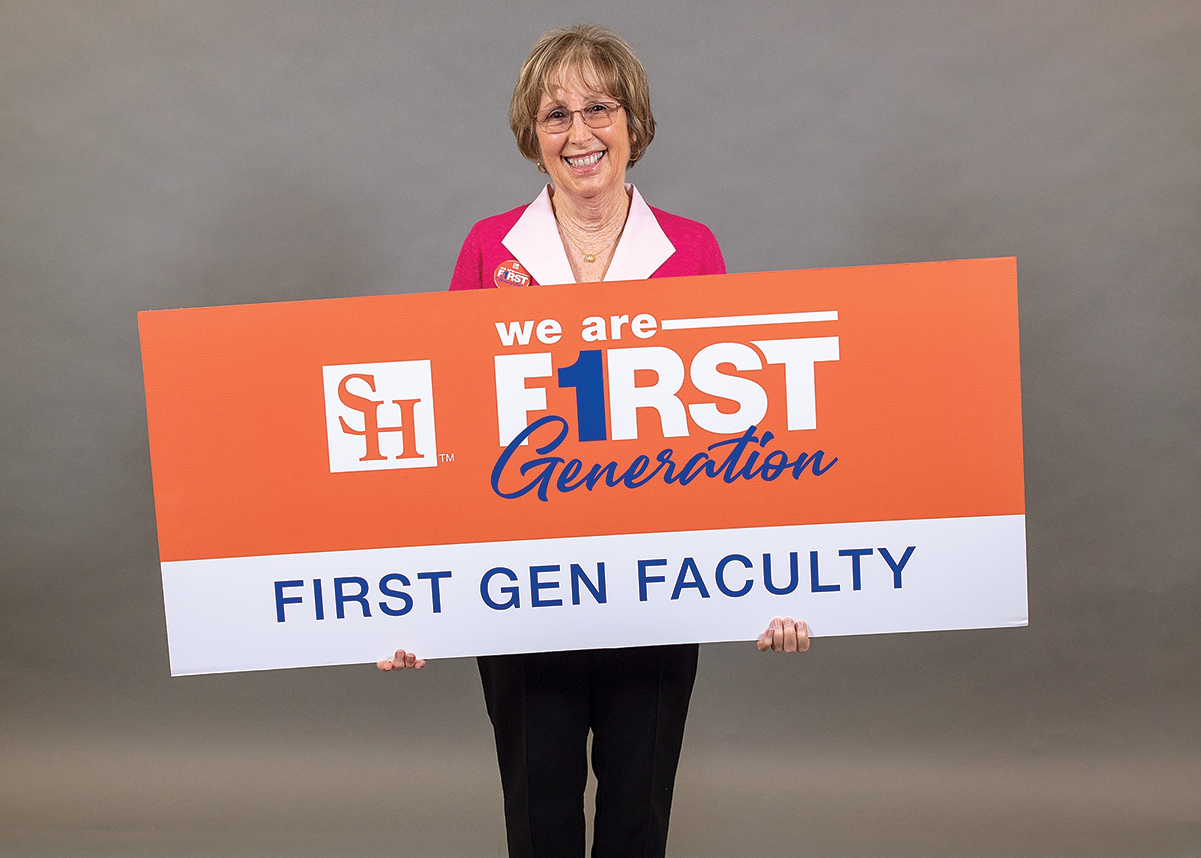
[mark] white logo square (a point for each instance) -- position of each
(380, 416)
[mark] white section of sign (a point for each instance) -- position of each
(359, 606)
(380, 416)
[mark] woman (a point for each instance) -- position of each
(581, 112)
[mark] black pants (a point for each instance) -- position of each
(542, 706)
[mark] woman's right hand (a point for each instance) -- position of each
(784, 636)
(400, 661)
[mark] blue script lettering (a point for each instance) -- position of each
(741, 462)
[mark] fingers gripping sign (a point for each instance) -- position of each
(784, 635)
(400, 661)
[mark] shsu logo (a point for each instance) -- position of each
(380, 416)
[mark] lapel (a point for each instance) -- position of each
(643, 246)
(534, 241)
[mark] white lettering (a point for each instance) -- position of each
(751, 398)
(517, 332)
(798, 357)
(514, 401)
(549, 331)
(594, 329)
(644, 326)
(625, 398)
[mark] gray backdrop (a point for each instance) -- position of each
(157, 154)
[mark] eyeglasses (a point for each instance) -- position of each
(597, 115)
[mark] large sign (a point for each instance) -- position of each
(594, 465)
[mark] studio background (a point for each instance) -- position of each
(157, 154)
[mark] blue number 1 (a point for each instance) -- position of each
(587, 376)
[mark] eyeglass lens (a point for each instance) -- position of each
(598, 115)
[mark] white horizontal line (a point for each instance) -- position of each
(735, 321)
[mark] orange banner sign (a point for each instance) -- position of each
(590, 465)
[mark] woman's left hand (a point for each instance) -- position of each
(784, 636)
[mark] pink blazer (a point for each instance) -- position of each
(522, 248)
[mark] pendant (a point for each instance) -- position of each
(590, 257)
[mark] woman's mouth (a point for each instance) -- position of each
(581, 161)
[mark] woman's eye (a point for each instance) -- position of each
(597, 108)
(557, 113)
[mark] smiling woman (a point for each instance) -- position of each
(585, 146)
(581, 112)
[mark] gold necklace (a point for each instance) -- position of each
(588, 257)
(592, 257)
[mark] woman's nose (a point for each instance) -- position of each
(579, 130)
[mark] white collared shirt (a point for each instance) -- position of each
(534, 240)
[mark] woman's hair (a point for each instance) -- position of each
(604, 62)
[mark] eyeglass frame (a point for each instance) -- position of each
(610, 106)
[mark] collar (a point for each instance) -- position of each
(535, 241)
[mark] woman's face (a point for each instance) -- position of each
(583, 162)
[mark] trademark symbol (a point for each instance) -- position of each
(446, 457)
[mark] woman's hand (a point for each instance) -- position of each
(784, 636)
(404, 659)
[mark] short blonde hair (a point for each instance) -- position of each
(606, 64)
